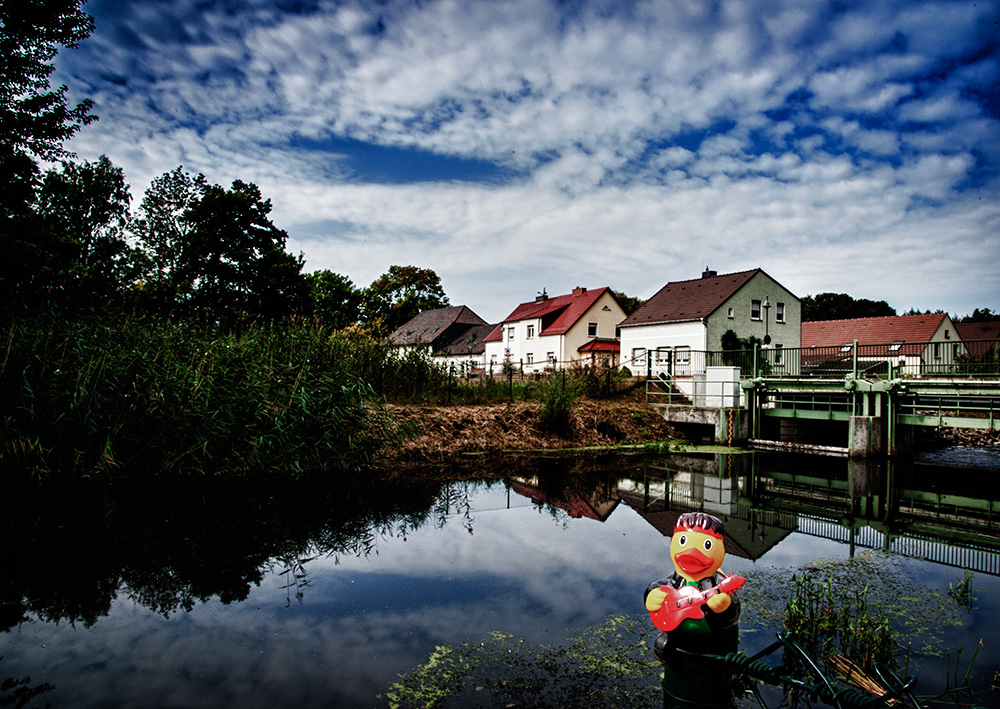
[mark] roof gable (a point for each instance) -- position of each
(558, 314)
(871, 331)
(427, 327)
(684, 301)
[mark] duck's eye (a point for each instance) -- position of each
(708, 545)
(683, 540)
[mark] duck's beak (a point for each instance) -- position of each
(692, 562)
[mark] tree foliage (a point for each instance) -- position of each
(841, 306)
(399, 295)
(629, 303)
(35, 118)
(334, 299)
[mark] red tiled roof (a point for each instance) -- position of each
(596, 345)
(978, 336)
(684, 301)
(871, 331)
(558, 314)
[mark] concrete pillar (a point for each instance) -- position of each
(864, 436)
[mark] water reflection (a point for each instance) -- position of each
(297, 594)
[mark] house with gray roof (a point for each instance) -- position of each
(452, 336)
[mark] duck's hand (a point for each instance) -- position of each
(719, 602)
(655, 599)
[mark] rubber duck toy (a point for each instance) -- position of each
(695, 608)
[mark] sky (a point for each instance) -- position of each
(842, 146)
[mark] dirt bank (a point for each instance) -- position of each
(439, 433)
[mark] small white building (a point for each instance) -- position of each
(670, 332)
(556, 332)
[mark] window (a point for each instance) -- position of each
(755, 309)
(683, 355)
(510, 332)
(531, 331)
(592, 329)
(732, 313)
(639, 356)
(896, 346)
(529, 358)
(779, 312)
(937, 350)
(551, 357)
(779, 354)
(956, 351)
(662, 355)
(847, 347)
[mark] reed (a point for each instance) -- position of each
(95, 395)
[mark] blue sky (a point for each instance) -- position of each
(514, 146)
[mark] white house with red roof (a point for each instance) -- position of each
(691, 316)
(554, 332)
(917, 343)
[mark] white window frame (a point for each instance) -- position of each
(591, 329)
(530, 331)
(510, 333)
(779, 312)
(663, 355)
(779, 355)
(732, 313)
(757, 306)
(529, 358)
(682, 354)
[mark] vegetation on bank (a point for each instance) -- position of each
(86, 394)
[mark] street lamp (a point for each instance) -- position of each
(767, 307)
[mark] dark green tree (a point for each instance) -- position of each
(334, 299)
(233, 264)
(399, 294)
(980, 315)
(34, 118)
(85, 255)
(841, 306)
(629, 303)
(162, 230)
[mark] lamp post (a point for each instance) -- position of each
(767, 308)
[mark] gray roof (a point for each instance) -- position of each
(427, 327)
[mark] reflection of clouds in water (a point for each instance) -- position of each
(361, 622)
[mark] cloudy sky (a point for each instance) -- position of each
(846, 146)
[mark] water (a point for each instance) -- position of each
(221, 594)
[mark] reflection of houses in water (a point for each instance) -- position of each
(595, 504)
(674, 485)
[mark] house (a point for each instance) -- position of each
(453, 336)
(555, 332)
(917, 344)
(981, 340)
(688, 317)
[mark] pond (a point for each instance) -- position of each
(221, 593)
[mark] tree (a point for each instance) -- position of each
(162, 230)
(400, 294)
(334, 299)
(629, 303)
(232, 261)
(841, 306)
(980, 315)
(33, 117)
(86, 208)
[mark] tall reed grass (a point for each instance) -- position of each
(146, 396)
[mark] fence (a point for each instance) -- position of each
(976, 358)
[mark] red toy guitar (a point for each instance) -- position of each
(685, 602)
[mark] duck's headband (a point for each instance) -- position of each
(699, 522)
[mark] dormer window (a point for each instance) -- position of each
(848, 347)
(896, 346)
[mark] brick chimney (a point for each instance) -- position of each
(579, 291)
(709, 274)
(542, 297)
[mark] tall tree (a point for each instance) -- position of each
(34, 118)
(233, 262)
(334, 299)
(86, 206)
(161, 230)
(841, 306)
(399, 294)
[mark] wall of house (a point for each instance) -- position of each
(787, 333)
(605, 313)
(657, 339)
